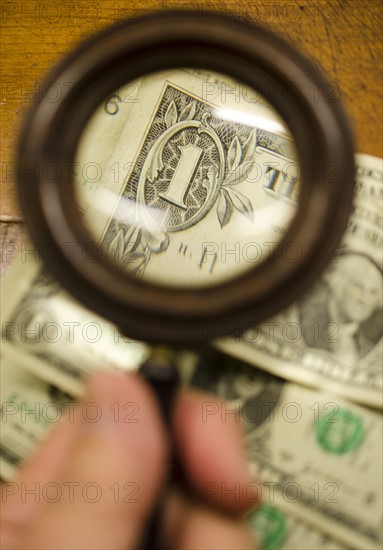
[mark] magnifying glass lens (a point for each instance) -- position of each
(187, 178)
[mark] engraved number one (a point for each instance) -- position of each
(183, 176)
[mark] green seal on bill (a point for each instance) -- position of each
(340, 432)
(269, 524)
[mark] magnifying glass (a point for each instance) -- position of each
(193, 177)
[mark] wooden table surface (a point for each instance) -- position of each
(343, 36)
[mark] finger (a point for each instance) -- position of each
(176, 509)
(213, 453)
(22, 498)
(192, 526)
(111, 481)
(208, 530)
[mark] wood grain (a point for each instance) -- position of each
(344, 37)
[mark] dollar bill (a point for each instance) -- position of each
(53, 335)
(332, 338)
(277, 530)
(318, 457)
(30, 407)
(194, 170)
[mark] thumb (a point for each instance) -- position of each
(114, 474)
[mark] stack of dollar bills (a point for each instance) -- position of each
(306, 384)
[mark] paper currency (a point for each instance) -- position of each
(318, 457)
(332, 338)
(276, 530)
(53, 335)
(195, 180)
(30, 407)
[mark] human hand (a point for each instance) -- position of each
(93, 483)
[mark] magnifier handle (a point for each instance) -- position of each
(163, 378)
